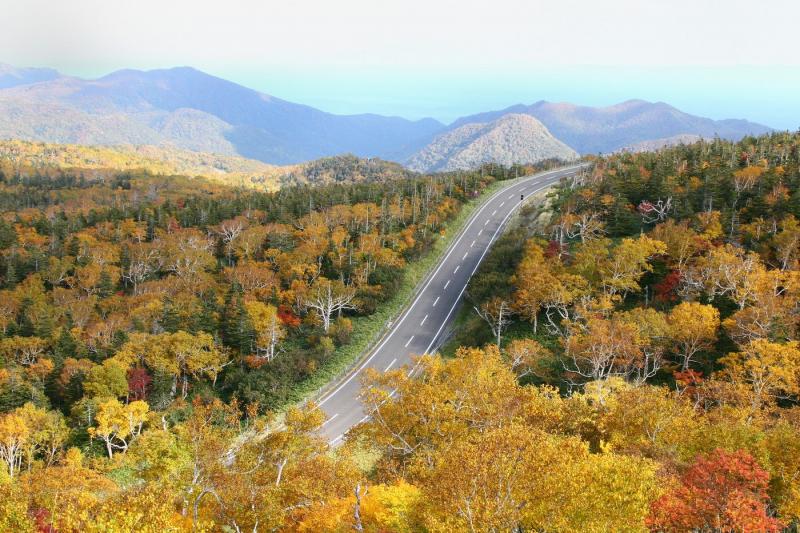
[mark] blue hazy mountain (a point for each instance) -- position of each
(194, 110)
(591, 130)
(11, 76)
(189, 109)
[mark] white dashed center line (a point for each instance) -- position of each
(346, 419)
(494, 212)
(330, 419)
(465, 256)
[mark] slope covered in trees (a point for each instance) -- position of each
(132, 303)
(256, 286)
(30, 159)
(636, 366)
(667, 287)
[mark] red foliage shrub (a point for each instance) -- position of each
(553, 249)
(665, 289)
(287, 316)
(41, 518)
(723, 491)
(139, 381)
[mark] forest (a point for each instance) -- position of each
(137, 307)
(626, 361)
(657, 308)
(30, 159)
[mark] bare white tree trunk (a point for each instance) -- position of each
(496, 313)
(327, 297)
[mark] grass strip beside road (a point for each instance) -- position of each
(369, 330)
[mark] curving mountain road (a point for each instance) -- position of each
(420, 327)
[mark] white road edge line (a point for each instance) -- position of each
(544, 175)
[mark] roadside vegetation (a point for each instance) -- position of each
(137, 307)
(634, 364)
(663, 298)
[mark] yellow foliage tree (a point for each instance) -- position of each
(765, 370)
(269, 329)
(117, 424)
(693, 327)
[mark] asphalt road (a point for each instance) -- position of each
(419, 329)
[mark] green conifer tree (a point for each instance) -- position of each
(105, 286)
(170, 320)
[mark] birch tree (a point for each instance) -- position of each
(327, 297)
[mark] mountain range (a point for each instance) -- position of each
(591, 130)
(11, 76)
(196, 111)
(189, 109)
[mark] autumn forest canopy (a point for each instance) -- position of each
(627, 358)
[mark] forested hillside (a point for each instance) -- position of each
(151, 328)
(32, 159)
(633, 364)
(26, 158)
(655, 319)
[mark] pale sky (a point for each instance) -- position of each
(444, 58)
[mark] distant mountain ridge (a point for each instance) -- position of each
(591, 130)
(188, 109)
(11, 76)
(512, 138)
(197, 111)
